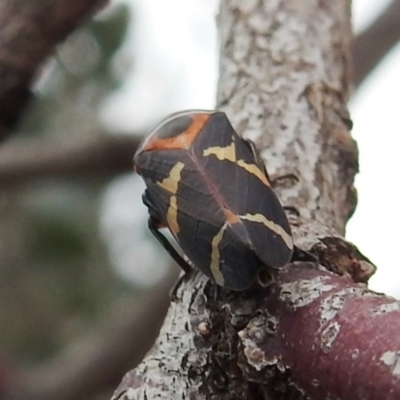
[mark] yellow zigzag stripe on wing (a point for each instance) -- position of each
(229, 153)
(172, 215)
(170, 184)
(215, 258)
(272, 226)
(222, 153)
(253, 169)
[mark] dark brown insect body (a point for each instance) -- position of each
(209, 187)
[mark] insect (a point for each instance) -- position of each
(210, 188)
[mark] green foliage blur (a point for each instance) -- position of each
(55, 279)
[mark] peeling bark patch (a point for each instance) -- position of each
(255, 332)
(204, 328)
(335, 302)
(328, 336)
(304, 291)
(392, 360)
(262, 325)
(330, 307)
(355, 354)
(254, 355)
(386, 308)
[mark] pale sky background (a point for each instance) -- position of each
(175, 68)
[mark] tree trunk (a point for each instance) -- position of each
(317, 332)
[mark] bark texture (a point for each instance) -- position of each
(316, 332)
(285, 69)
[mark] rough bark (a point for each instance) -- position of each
(29, 31)
(314, 333)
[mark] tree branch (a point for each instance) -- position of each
(312, 334)
(375, 42)
(29, 31)
(324, 336)
(25, 160)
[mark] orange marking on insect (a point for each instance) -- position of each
(181, 141)
(230, 217)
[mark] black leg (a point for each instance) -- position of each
(154, 223)
(153, 226)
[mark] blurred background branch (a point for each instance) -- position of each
(99, 155)
(29, 32)
(371, 45)
(96, 362)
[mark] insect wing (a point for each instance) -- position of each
(262, 212)
(245, 190)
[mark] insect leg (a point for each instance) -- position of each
(154, 226)
(154, 229)
(154, 223)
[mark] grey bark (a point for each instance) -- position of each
(317, 332)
